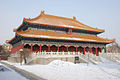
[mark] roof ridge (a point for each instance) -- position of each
(30, 19)
(41, 14)
(60, 17)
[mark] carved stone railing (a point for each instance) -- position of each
(88, 57)
(54, 54)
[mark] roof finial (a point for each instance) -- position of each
(74, 17)
(42, 12)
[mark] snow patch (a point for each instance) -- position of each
(9, 74)
(61, 70)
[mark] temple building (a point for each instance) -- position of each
(49, 35)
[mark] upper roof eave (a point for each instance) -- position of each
(8, 41)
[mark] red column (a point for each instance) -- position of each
(40, 47)
(96, 52)
(48, 48)
(101, 49)
(80, 50)
(58, 48)
(23, 46)
(90, 49)
(76, 49)
(84, 50)
(67, 48)
(31, 47)
(71, 31)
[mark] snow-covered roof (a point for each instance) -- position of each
(61, 36)
(57, 21)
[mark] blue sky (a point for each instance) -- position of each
(103, 14)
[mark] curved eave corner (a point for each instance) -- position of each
(110, 41)
(96, 29)
(24, 20)
(8, 41)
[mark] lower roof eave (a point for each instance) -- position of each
(72, 40)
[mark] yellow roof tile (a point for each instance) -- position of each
(62, 36)
(57, 21)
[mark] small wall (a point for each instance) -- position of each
(45, 61)
(14, 59)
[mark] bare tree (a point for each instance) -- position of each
(25, 54)
(0, 48)
(114, 48)
(4, 53)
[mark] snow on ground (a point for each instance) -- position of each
(60, 70)
(111, 68)
(9, 74)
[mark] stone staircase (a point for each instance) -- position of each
(90, 58)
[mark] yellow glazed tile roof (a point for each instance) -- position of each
(57, 21)
(62, 36)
